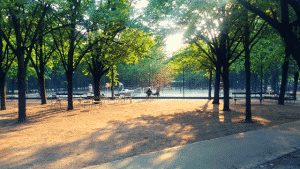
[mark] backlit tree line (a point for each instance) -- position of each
(253, 36)
(256, 38)
(91, 33)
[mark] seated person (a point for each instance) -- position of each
(149, 92)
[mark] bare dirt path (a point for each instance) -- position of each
(54, 138)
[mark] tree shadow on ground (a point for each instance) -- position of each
(121, 139)
(8, 119)
(144, 134)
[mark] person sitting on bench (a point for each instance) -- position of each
(149, 92)
(157, 92)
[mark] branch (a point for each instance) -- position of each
(273, 22)
(205, 52)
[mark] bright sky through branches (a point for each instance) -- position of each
(173, 41)
(141, 4)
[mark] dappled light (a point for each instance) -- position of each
(164, 157)
(117, 131)
(88, 82)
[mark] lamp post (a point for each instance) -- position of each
(149, 75)
(261, 79)
(183, 78)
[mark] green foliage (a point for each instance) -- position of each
(191, 58)
(138, 74)
(113, 70)
(267, 55)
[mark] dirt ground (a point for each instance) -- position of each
(55, 138)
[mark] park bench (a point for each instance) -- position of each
(89, 101)
(156, 93)
(290, 97)
(237, 95)
(270, 95)
(122, 97)
(97, 100)
(64, 94)
(125, 95)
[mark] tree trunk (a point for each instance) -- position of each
(42, 84)
(290, 38)
(285, 69)
(2, 91)
(209, 84)
(225, 76)
(248, 87)
(217, 86)
(296, 80)
(42, 64)
(70, 89)
(21, 86)
(96, 80)
(248, 115)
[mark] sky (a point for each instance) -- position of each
(174, 41)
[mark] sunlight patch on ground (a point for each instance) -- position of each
(261, 120)
(164, 157)
(55, 138)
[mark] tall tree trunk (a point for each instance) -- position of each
(225, 76)
(217, 86)
(285, 69)
(248, 115)
(69, 75)
(296, 80)
(21, 86)
(248, 86)
(2, 91)
(209, 84)
(42, 84)
(42, 64)
(96, 80)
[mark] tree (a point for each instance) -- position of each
(71, 40)
(132, 45)
(109, 21)
(284, 77)
(44, 48)
(6, 60)
(246, 44)
(287, 25)
(222, 37)
(25, 20)
(296, 81)
(196, 57)
(150, 68)
(250, 23)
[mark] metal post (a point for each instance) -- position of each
(261, 80)
(183, 81)
(112, 83)
(149, 75)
